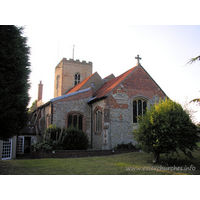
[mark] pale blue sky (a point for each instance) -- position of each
(105, 33)
(164, 50)
(110, 34)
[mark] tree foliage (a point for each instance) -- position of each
(14, 75)
(195, 100)
(166, 127)
(33, 106)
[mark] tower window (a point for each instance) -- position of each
(77, 78)
(57, 81)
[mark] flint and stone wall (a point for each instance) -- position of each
(76, 104)
(120, 117)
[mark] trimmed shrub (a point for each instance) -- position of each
(166, 128)
(62, 139)
(75, 139)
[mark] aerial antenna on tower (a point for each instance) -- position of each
(73, 52)
(58, 50)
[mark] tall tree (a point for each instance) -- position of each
(14, 80)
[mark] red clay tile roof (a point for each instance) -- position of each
(108, 86)
(78, 86)
(107, 77)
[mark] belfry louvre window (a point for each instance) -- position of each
(77, 78)
(98, 121)
(139, 108)
(75, 121)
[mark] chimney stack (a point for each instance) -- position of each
(40, 90)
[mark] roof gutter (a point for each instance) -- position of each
(94, 99)
(69, 95)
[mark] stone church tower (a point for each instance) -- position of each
(69, 73)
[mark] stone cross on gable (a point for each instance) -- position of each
(138, 59)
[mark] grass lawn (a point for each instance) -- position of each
(121, 164)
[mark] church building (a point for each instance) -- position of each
(105, 108)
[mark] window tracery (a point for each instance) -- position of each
(75, 120)
(139, 108)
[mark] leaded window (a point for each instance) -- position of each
(139, 109)
(75, 121)
(80, 122)
(98, 121)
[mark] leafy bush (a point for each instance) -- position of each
(52, 132)
(52, 139)
(165, 128)
(56, 138)
(41, 146)
(75, 139)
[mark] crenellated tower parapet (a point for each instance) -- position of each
(68, 73)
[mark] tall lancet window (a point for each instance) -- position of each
(98, 121)
(57, 81)
(77, 78)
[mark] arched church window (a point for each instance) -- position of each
(75, 120)
(98, 121)
(77, 78)
(139, 108)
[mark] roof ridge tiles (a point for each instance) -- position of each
(108, 86)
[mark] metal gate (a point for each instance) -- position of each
(7, 149)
